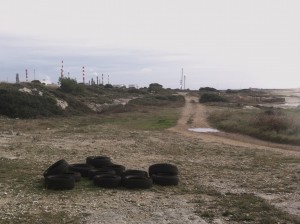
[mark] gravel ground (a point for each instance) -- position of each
(207, 163)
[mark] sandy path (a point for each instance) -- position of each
(194, 116)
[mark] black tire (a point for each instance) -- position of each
(75, 175)
(140, 173)
(60, 182)
(107, 181)
(82, 168)
(163, 168)
(99, 171)
(137, 182)
(164, 179)
(58, 167)
(98, 161)
(119, 169)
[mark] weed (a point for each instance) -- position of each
(190, 120)
(242, 208)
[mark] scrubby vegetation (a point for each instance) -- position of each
(23, 105)
(69, 85)
(18, 101)
(211, 97)
(268, 124)
(159, 100)
(31, 100)
(207, 89)
(241, 208)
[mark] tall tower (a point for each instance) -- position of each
(83, 75)
(62, 69)
(17, 78)
(26, 75)
(181, 80)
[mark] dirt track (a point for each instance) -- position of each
(198, 113)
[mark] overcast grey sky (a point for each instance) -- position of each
(219, 43)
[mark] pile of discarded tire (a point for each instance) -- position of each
(104, 173)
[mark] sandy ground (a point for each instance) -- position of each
(220, 161)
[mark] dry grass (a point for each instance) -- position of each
(218, 181)
(268, 124)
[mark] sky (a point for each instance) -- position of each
(230, 44)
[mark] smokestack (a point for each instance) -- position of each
(17, 78)
(181, 80)
(83, 76)
(62, 69)
(26, 75)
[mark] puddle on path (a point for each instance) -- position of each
(203, 130)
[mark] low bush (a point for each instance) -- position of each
(16, 104)
(138, 91)
(159, 100)
(211, 97)
(69, 85)
(208, 89)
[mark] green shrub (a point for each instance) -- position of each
(38, 82)
(69, 85)
(155, 87)
(16, 104)
(138, 91)
(208, 89)
(108, 86)
(211, 97)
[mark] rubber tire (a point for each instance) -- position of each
(164, 179)
(140, 173)
(60, 182)
(137, 182)
(163, 168)
(99, 171)
(119, 169)
(82, 168)
(75, 175)
(98, 161)
(58, 167)
(107, 180)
